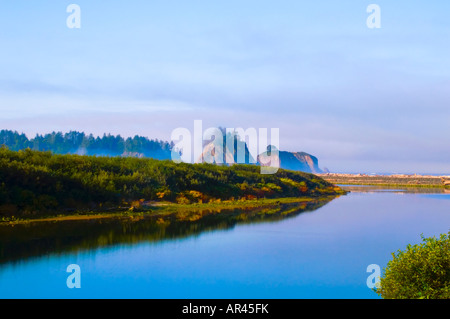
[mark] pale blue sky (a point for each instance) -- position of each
(360, 99)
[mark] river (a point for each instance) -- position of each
(321, 250)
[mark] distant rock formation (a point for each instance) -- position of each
(226, 154)
(300, 161)
(296, 161)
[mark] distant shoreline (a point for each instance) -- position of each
(404, 180)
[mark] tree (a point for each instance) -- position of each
(421, 271)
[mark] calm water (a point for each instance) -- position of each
(317, 251)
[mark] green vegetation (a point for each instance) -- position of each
(35, 184)
(421, 271)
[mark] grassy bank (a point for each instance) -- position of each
(37, 185)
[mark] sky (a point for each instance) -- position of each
(359, 99)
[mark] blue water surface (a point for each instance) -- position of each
(320, 254)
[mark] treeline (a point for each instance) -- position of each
(79, 143)
(33, 182)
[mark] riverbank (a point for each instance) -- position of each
(395, 180)
(36, 184)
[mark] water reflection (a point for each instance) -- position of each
(24, 241)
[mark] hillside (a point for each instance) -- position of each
(33, 182)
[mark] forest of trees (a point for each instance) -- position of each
(79, 143)
(33, 182)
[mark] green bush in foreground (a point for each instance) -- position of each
(421, 271)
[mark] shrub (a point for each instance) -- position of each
(421, 271)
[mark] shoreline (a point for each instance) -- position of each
(394, 180)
